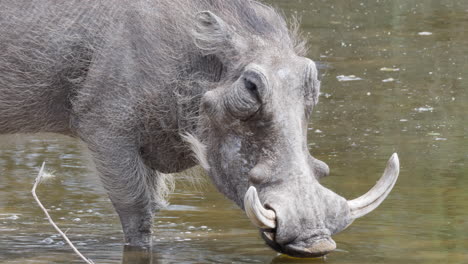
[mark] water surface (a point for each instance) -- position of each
(394, 79)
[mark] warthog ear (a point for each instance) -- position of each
(213, 36)
(312, 82)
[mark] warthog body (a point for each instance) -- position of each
(157, 86)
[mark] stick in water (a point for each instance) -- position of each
(36, 183)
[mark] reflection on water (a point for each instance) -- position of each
(394, 80)
(136, 256)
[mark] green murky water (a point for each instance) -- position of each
(395, 79)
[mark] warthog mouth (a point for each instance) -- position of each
(319, 247)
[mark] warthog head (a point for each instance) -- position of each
(255, 138)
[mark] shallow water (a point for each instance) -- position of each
(394, 79)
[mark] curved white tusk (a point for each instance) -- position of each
(369, 201)
(258, 215)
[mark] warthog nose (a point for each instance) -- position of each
(317, 249)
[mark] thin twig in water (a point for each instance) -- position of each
(36, 183)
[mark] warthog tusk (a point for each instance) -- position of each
(261, 217)
(369, 201)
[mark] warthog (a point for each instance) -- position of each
(158, 86)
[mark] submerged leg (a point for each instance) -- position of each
(136, 256)
(134, 189)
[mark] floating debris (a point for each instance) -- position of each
(47, 175)
(7, 229)
(440, 139)
(424, 109)
(48, 241)
(9, 216)
(433, 134)
(347, 78)
(388, 80)
(386, 69)
(424, 33)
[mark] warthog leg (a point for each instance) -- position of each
(131, 185)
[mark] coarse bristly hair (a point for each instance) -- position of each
(126, 76)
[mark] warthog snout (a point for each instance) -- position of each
(300, 222)
(317, 247)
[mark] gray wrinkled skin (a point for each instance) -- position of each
(130, 77)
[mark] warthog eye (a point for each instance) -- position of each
(252, 88)
(245, 99)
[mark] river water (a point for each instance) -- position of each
(394, 79)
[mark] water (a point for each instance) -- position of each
(408, 95)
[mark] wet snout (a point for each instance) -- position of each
(299, 217)
(302, 228)
(315, 246)
(293, 215)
